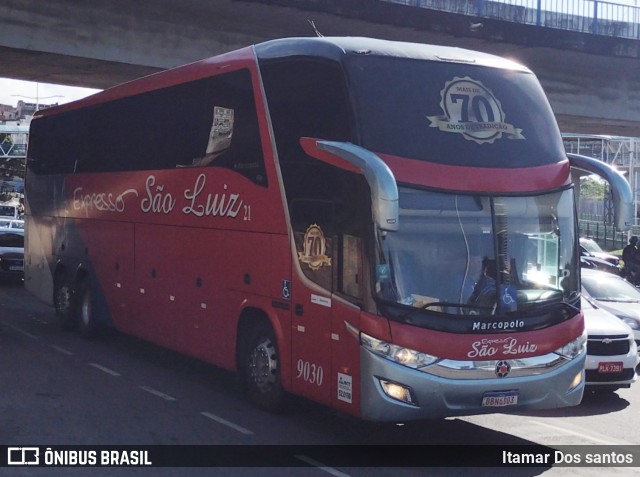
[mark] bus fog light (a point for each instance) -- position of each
(397, 391)
(576, 381)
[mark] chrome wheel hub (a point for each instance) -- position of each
(263, 365)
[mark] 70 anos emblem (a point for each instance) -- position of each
(315, 248)
(472, 110)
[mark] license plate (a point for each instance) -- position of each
(615, 367)
(500, 399)
(16, 268)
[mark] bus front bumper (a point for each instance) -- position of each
(421, 395)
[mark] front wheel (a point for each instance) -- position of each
(262, 369)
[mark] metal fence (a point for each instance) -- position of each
(8, 149)
(606, 235)
(588, 16)
(13, 141)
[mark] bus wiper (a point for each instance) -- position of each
(618, 300)
(565, 303)
(572, 307)
(442, 305)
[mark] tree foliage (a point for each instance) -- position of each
(591, 188)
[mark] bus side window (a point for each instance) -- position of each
(227, 134)
(244, 152)
(328, 225)
(308, 98)
(171, 127)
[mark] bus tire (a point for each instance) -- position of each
(85, 315)
(262, 369)
(63, 302)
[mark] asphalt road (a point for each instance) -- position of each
(59, 389)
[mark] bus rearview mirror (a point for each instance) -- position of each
(620, 188)
(382, 182)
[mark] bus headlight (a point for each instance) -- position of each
(574, 348)
(398, 354)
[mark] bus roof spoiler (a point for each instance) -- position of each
(382, 182)
(620, 188)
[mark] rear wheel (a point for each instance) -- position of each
(84, 310)
(63, 301)
(262, 369)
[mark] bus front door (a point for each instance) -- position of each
(311, 344)
(312, 303)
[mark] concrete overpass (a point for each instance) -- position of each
(593, 82)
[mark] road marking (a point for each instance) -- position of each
(104, 369)
(61, 350)
(224, 422)
(596, 439)
(15, 328)
(160, 394)
(321, 466)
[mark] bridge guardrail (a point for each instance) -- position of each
(598, 17)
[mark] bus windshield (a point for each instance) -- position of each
(484, 255)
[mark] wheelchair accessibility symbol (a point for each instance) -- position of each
(286, 289)
(508, 297)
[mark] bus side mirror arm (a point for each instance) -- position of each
(620, 188)
(382, 182)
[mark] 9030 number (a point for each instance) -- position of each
(309, 372)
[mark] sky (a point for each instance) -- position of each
(12, 91)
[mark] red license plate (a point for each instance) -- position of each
(615, 367)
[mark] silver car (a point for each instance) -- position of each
(591, 247)
(11, 253)
(614, 294)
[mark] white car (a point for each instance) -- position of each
(11, 224)
(9, 211)
(615, 295)
(612, 354)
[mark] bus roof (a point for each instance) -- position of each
(338, 47)
(335, 48)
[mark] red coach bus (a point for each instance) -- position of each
(385, 228)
